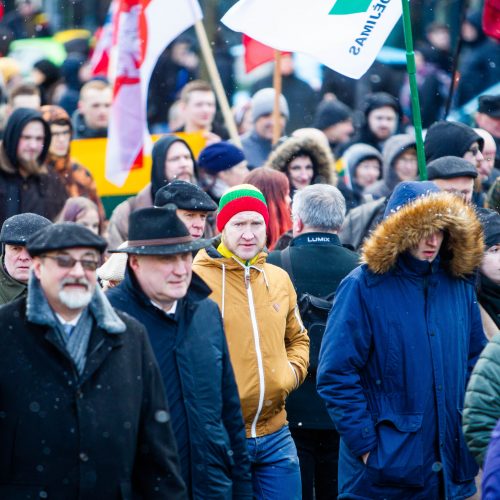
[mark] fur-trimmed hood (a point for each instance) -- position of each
(321, 158)
(463, 246)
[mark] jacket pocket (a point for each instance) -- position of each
(399, 455)
(465, 467)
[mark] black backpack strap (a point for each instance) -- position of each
(287, 263)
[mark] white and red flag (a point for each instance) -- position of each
(345, 35)
(99, 62)
(141, 32)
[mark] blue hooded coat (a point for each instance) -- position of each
(401, 340)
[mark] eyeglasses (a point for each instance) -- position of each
(68, 262)
(65, 133)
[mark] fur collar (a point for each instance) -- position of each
(39, 312)
(462, 249)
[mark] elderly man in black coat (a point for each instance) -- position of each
(82, 406)
(317, 263)
(187, 335)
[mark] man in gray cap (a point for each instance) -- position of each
(257, 143)
(86, 416)
(454, 175)
(16, 262)
(186, 332)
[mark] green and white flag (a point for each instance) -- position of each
(345, 35)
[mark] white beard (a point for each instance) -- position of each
(75, 299)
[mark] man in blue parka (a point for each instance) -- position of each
(402, 337)
(187, 336)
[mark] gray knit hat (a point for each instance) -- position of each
(263, 104)
(18, 228)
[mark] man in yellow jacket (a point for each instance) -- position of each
(268, 344)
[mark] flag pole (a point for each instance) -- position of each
(415, 105)
(277, 84)
(213, 72)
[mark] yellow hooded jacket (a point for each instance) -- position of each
(268, 343)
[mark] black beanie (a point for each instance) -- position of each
(14, 128)
(450, 167)
(380, 100)
(449, 139)
(330, 113)
(490, 219)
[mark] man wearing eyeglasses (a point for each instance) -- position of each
(83, 412)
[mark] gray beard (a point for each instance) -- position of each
(75, 299)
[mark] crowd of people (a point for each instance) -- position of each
(304, 318)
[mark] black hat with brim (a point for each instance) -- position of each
(64, 235)
(159, 231)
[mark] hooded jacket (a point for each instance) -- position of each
(118, 223)
(295, 146)
(394, 147)
(400, 343)
(37, 192)
(268, 343)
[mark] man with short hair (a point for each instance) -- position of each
(257, 143)
(400, 343)
(24, 95)
(487, 170)
(318, 263)
(87, 391)
(268, 344)
(25, 183)
(186, 332)
(91, 118)
(198, 107)
(193, 205)
(15, 261)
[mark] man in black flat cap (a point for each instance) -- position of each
(15, 261)
(194, 206)
(82, 402)
(186, 332)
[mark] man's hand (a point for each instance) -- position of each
(365, 457)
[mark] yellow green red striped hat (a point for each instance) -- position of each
(241, 198)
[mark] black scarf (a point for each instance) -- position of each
(489, 298)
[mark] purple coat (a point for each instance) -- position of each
(491, 472)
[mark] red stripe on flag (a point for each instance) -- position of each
(257, 53)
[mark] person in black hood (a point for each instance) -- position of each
(488, 292)
(25, 183)
(382, 118)
(172, 159)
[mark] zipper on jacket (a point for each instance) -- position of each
(256, 338)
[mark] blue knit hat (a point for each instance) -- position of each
(220, 156)
(406, 192)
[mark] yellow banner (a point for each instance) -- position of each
(92, 154)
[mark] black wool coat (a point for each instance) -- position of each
(102, 436)
(319, 264)
(220, 466)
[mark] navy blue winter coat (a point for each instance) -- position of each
(220, 467)
(401, 340)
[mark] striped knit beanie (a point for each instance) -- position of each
(242, 198)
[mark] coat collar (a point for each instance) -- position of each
(315, 239)
(38, 310)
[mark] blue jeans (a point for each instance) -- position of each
(275, 466)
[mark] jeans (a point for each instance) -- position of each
(275, 466)
(318, 452)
